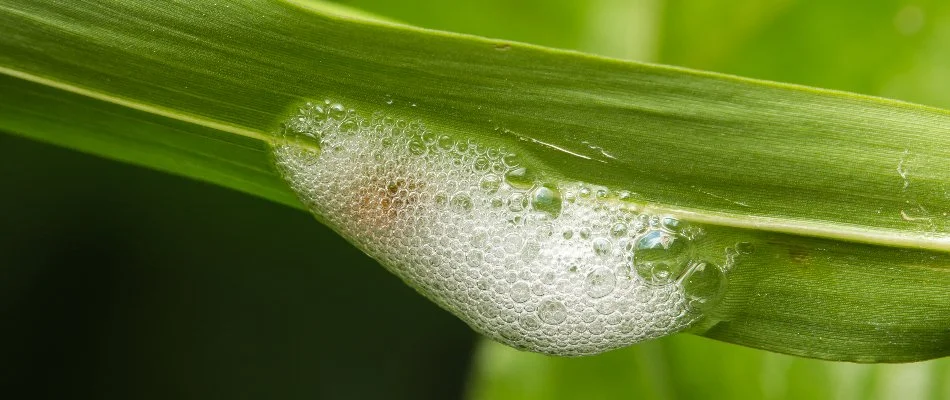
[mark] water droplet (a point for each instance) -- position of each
(546, 199)
(600, 282)
(521, 178)
(552, 311)
(671, 224)
(703, 284)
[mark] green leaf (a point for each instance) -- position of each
(843, 199)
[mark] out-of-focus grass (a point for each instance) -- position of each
(689, 367)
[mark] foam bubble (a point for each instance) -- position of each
(546, 265)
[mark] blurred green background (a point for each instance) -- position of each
(120, 282)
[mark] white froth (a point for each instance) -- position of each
(544, 266)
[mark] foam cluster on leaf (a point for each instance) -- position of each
(557, 267)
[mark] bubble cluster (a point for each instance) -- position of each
(557, 267)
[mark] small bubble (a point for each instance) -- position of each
(618, 230)
(482, 164)
(546, 199)
(520, 292)
(336, 111)
(446, 143)
(659, 257)
(441, 199)
(601, 193)
(601, 247)
(585, 192)
(417, 147)
(490, 184)
(568, 234)
(548, 277)
(517, 202)
(349, 127)
(462, 201)
(544, 231)
(513, 243)
(552, 311)
(530, 322)
(585, 233)
(496, 202)
(600, 282)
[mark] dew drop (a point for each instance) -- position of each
(546, 199)
(520, 177)
(704, 284)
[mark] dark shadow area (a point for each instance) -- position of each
(118, 282)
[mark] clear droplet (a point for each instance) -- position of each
(704, 284)
(546, 199)
(520, 177)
